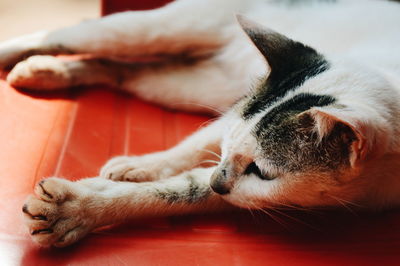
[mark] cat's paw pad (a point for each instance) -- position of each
(40, 72)
(56, 215)
(132, 169)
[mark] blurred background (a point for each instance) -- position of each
(19, 17)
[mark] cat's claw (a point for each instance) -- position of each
(57, 215)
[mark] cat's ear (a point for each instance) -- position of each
(353, 132)
(282, 54)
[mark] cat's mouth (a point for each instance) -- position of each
(252, 168)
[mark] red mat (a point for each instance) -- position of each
(73, 135)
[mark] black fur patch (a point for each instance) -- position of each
(169, 195)
(276, 87)
(293, 106)
(194, 192)
(289, 141)
(291, 63)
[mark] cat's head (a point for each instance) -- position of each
(290, 142)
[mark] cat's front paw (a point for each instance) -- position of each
(58, 214)
(135, 169)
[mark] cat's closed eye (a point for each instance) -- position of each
(252, 168)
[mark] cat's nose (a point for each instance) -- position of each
(220, 188)
(220, 182)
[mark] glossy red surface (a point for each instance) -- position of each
(73, 134)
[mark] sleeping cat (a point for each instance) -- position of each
(310, 108)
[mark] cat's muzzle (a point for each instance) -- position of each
(221, 181)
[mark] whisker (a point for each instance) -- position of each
(208, 121)
(215, 110)
(295, 219)
(269, 214)
(344, 205)
(251, 211)
(213, 153)
(273, 217)
(294, 207)
(208, 161)
(291, 206)
(347, 201)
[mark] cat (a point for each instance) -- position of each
(309, 92)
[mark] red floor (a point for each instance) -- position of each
(72, 136)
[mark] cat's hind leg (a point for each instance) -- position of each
(187, 27)
(210, 85)
(214, 65)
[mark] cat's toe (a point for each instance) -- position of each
(54, 189)
(112, 163)
(145, 168)
(125, 168)
(40, 217)
(127, 172)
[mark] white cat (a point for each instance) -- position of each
(320, 128)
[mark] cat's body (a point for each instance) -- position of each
(320, 128)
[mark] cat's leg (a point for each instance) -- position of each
(210, 86)
(206, 85)
(221, 73)
(189, 27)
(62, 211)
(201, 148)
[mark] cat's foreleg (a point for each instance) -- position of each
(201, 148)
(62, 211)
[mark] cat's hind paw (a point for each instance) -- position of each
(40, 72)
(57, 215)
